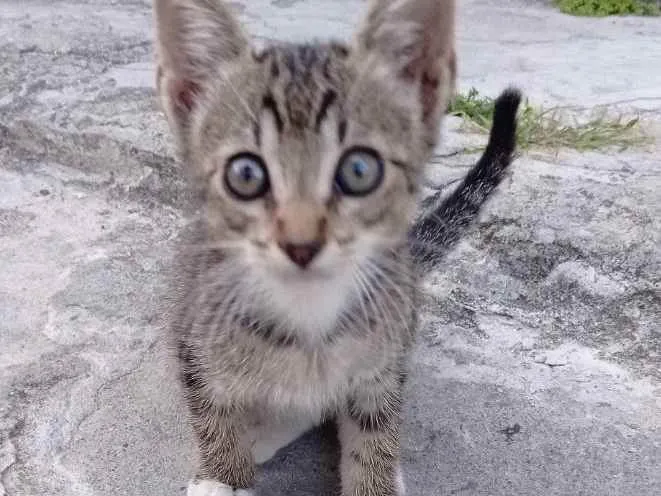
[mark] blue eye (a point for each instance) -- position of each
(359, 172)
(246, 176)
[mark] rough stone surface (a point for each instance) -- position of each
(539, 364)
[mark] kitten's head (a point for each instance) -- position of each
(309, 155)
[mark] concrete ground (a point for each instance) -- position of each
(539, 365)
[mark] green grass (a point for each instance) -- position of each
(601, 8)
(546, 128)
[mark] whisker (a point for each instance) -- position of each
(382, 302)
(380, 279)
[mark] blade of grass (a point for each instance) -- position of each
(546, 128)
(602, 8)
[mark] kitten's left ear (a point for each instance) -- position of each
(194, 38)
(417, 39)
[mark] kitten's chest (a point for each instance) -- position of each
(304, 379)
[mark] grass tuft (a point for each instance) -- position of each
(546, 128)
(602, 8)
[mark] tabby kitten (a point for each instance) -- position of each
(296, 294)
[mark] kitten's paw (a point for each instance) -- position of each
(214, 488)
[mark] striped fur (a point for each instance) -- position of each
(265, 348)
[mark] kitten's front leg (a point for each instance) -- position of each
(369, 435)
(226, 465)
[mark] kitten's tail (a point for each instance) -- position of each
(436, 231)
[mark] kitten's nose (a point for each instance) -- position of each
(300, 229)
(302, 253)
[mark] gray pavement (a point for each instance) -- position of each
(539, 365)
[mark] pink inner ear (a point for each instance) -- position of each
(429, 94)
(428, 75)
(183, 92)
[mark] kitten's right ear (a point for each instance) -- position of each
(193, 39)
(416, 38)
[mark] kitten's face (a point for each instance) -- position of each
(309, 156)
(299, 151)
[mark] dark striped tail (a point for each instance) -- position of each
(438, 230)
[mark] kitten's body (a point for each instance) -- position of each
(296, 295)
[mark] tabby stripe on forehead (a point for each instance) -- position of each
(329, 99)
(342, 130)
(270, 104)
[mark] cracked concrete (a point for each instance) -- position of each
(539, 364)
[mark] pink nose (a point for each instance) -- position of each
(302, 253)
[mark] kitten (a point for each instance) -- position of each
(296, 291)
